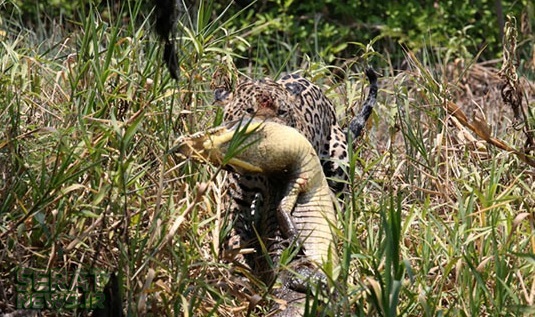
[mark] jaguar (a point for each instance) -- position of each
(296, 102)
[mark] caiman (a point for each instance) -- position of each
(299, 197)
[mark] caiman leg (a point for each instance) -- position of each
(284, 210)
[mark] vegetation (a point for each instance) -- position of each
(440, 220)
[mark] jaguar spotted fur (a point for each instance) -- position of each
(296, 102)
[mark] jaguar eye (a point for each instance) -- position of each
(281, 112)
(249, 110)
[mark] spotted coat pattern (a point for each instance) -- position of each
(297, 103)
(292, 101)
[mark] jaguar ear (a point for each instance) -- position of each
(222, 96)
(221, 84)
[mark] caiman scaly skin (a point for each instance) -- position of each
(299, 191)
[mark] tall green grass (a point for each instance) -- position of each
(436, 224)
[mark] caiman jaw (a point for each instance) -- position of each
(211, 146)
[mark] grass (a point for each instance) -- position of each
(440, 223)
